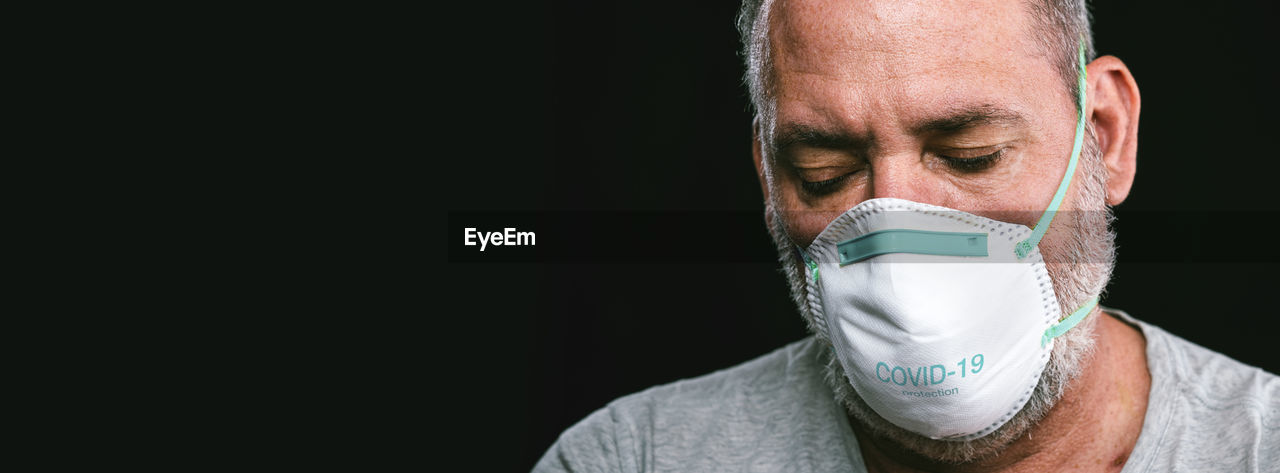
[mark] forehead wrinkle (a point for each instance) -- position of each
(820, 29)
(883, 37)
(891, 54)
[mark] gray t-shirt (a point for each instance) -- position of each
(1206, 412)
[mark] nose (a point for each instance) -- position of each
(904, 177)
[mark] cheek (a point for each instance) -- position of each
(803, 226)
(804, 220)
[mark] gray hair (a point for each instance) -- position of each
(1059, 27)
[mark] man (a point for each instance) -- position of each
(938, 177)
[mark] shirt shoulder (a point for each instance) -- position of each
(767, 414)
(1206, 411)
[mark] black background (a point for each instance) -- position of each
(638, 106)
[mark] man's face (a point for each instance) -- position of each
(945, 103)
(951, 105)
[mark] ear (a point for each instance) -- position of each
(1113, 111)
(757, 155)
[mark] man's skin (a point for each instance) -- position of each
(889, 97)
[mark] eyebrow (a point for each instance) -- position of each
(969, 117)
(794, 134)
(958, 119)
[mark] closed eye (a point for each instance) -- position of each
(974, 164)
(823, 187)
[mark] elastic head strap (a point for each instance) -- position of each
(1068, 323)
(808, 262)
(1024, 247)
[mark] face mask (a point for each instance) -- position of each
(943, 320)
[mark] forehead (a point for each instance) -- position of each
(904, 54)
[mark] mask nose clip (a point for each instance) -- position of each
(921, 242)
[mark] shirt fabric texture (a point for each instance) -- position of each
(1205, 412)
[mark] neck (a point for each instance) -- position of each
(1093, 427)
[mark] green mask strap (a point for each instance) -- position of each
(1024, 247)
(1069, 322)
(808, 262)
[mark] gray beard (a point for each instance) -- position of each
(1079, 261)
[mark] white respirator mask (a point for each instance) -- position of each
(943, 320)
